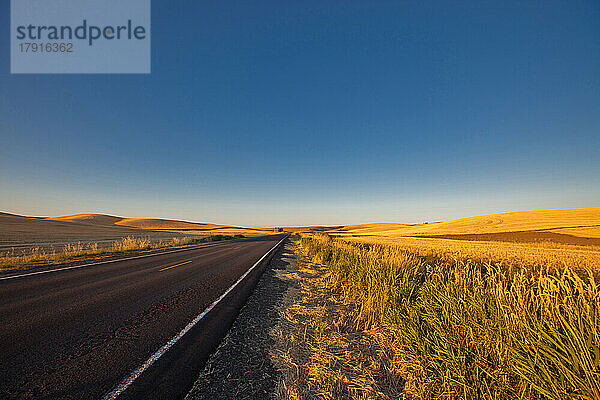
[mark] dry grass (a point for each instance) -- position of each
(51, 234)
(38, 256)
(457, 322)
(19, 231)
(322, 354)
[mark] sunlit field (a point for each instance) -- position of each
(16, 259)
(523, 255)
(460, 319)
(578, 222)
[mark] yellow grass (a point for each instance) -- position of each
(37, 256)
(319, 349)
(462, 320)
(21, 231)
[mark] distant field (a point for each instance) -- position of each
(510, 310)
(159, 224)
(21, 232)
(141, 223)
(524, 254)
(571, 226)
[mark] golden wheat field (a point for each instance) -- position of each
(569, 226)
(549, 254)
(456, 321)
(459, 318)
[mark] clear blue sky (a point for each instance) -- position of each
(318, 112)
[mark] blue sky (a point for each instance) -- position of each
(311, 112)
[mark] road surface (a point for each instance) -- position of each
(123, 329)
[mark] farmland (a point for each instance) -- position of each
(439, 318)
(35, 241)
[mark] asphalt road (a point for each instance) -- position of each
(78, 333)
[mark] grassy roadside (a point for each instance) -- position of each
(319, 349)
(82, 251)
(454, 328)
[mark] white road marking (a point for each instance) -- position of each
(109, 261)
(128, 380)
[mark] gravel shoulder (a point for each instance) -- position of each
(242, 366)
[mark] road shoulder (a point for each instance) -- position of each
(242, 366)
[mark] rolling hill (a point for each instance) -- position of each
(569, 226)
(17, 231)
(21, 231)
(158, 224)
(140, 223)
